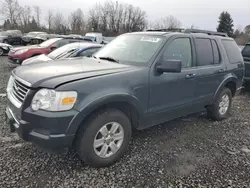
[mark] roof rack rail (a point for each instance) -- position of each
(167, 30)
(206, 32)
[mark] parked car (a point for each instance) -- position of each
(136, 81)
(246, 55)
(96, 37)
(42, 37)
(18, 55)
(11, 37)
(76, 49)
(26, 39)
(5, 48)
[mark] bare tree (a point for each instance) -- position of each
(37, 12)
(76, 21)
(114, 17)
(168, 22)
(25, 18)
(11, 10)
(49, 18)
(60, 24)
(94, 17)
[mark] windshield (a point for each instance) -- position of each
(131, 49)
(64, 49)
(3, 34)
(47, 43)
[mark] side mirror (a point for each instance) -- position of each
(53, 48)
(169, 66)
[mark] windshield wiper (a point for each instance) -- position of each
(109, 59)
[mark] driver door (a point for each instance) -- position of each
(171, 94)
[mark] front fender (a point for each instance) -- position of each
(228, 78)
(89, 106)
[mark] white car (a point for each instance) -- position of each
(5, 48)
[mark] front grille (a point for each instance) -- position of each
(19, 90)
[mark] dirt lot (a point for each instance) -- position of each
(188, 152)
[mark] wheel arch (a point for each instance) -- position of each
(128, 104)
(230, 82)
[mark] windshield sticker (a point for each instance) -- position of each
(150, 39)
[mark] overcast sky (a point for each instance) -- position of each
(201, 13)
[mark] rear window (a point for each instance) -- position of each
(216, 52)
(246, 51)
(204, 52)
(233, 53)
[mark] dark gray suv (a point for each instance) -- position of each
(138, 80)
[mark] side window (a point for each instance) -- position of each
(179, 49)
(232, 50)
(88, 52)
(246, 51)
(204, 52)
(216, 52)
(61, 43)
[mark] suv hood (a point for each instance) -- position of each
(50, 75)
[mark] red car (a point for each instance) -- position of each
(18, 55)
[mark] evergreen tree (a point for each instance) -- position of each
(225, 24)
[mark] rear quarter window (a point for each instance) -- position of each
(232, 50)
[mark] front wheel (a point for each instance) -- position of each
(220, 109)
(104, 138)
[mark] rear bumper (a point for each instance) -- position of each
(38, 135)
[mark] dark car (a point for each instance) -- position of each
(11, 37)
(136, 81)
(246, 55)
(42, 37)
(5, 48)
(76, 49)
(28, 38)
(18, 55)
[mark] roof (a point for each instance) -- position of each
(150, 33)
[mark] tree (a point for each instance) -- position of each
(76, 21)
(11, 10)
(225, 24)
(113, 18)
(168, 22)
(49, 18)
(247, 29)
(37, 12)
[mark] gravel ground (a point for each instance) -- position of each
(188, 152)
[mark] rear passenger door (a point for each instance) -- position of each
(211, 70)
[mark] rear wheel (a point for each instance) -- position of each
(104, 138)
(220, 109)
(5, 41)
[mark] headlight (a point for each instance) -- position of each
(51, 100)
(10, 84)
(21, 51)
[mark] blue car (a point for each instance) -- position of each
(76, 49)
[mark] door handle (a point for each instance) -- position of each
(188, 76)
(221, 70)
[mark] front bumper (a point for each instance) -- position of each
(48, 132)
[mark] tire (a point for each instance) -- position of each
(217, 113)
(90, 131)
(5, 41)
(1, 52)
